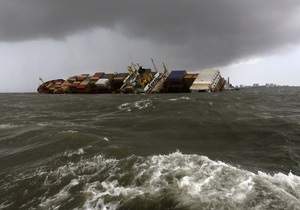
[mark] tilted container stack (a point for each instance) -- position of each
(104, 84)
(208, 80)
(117, 81)
(175, 82)
(82, 87)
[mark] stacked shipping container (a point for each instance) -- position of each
(178, 81)
(208, 80)
(175, 81)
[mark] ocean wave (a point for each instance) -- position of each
(8, 126)
(180, 98)
(69, 131)
(164, 181)
(76, 152)
(142, 104)
(55, 123)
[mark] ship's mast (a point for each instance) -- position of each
(154, 65)
(165, 68)
(40, 78)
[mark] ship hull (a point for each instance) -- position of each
(51, 87)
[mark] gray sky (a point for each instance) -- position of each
(250, 41)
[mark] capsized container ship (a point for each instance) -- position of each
(137, 80)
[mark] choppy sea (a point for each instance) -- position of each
(226, 150)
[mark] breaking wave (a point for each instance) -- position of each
(181, 98)
(156, 182)
(142, 104)
(8, 126)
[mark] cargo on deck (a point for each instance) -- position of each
(208, 80)
(138, 80)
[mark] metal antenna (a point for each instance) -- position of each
(40, 78)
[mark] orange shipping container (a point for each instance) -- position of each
(81, 87)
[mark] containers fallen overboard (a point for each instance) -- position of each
(138, 80)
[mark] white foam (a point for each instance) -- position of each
(196, 181)
(181, 98)
(56, 200)
(76, 152)
(55, 123)
(5, 205)
(100, 204)
(7, 126)
(190, 181)
(44, 124)
(125, 106)
(142, 104)
(69, 131)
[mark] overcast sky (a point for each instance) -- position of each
(255, 41)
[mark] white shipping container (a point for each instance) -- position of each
(102, 83)
(206, 80)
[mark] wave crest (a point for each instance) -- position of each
(166, 181)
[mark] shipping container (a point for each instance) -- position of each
(94, 78)
(207, 80)
(189, 79)
(98, 74)
(84, 83)
(81, 87)
(80, 78)
(176, 75)
(121, 76)
(87, 80)
(74, 84)
(108, 76)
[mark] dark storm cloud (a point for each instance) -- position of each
(208, 32)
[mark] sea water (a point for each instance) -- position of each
(226, 150)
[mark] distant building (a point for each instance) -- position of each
(271, 85)
(255, 85)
